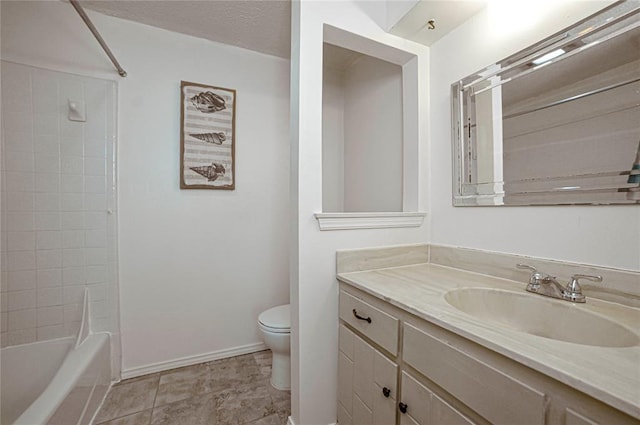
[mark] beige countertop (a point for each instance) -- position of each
(608, 374)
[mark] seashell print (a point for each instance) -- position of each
(215, 138)
(208, 102)
(210, 172)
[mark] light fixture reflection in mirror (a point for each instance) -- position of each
(558, 123)
(549, 56)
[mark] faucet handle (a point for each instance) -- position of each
(573, 292)
(573, 285)
(536, 276)
(527, 267)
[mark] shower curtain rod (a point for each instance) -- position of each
(98, 37)
(575, 97)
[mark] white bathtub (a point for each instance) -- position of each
(54, 382)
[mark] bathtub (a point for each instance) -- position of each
(54, 382)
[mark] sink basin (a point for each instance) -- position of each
(541, 316)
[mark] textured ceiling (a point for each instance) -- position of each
(259, 25)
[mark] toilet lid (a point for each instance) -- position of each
(276, 317)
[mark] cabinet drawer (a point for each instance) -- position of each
(497, 397)
(444, 413)
(586, 413)
(382, 328)
(575, 418)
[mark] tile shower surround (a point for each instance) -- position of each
(234, 391)
(57, 185)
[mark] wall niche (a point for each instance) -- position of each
(370, 133)
(361, 132)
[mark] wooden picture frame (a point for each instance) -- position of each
(207, 137)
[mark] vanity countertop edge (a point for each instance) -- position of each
(608, 374)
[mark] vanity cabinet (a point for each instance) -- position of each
(396, 368)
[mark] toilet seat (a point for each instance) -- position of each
(276, 319)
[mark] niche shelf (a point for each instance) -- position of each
(372, 220)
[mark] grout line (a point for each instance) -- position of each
(155, 396)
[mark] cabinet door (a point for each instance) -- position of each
(345, 389)
(345, 376)
(423, 407)
(344, 418)
(407, 420)
(362, 415)
(417, 397)
(367, 382)
(384, 389)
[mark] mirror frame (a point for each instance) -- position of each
(609, 22)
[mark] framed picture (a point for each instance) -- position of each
(207, 137)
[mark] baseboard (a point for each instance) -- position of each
(191, 360)
(290, 422)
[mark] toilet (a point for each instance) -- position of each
(275, 329)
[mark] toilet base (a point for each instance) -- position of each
(281, 372)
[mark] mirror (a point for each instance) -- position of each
(557, 123)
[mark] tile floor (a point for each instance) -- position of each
(233, 391)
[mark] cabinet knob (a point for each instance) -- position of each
(386, 392)
(402, 407)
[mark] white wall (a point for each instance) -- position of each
(196, 266)
(601, 235)
(373, 136)
(314, 288)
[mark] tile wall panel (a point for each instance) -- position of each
(58, 228)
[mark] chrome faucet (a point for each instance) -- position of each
(547, 285)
